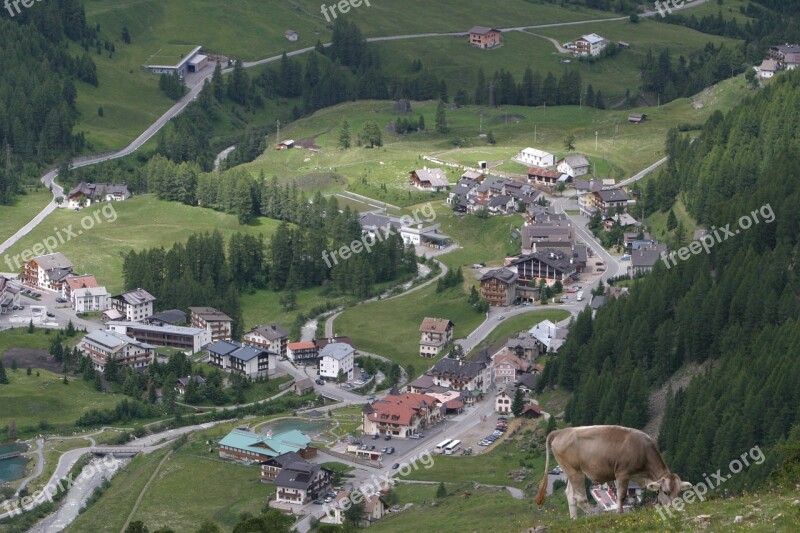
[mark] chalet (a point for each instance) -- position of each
(549, 264)
(335, 360)
(598, 301)
(85, 194)
(508, 367)
(291, 36)
(400, 415)
(637, 118)
(187, 340)
(589, 45)
(787, 55)
(101, 346)
(531, 410)
(556, 235)
(504, 398)
(436, 334)
(181, 384)
(498, 286)
(90, 300)
(630, 236)
(374, 509)
(523, 345)
(249, 361)
(9, 294)
(482, 37)
(544, 176)
(472, 176)
(273, 337)
(528, 380)
(301, 481)
(47, 271)
(170, 317)
(623, 219)
(549, 337)
(425, 385)
(768, 68)
(250, 447)
(302, 352)
(430, 179)
(463, 375)
(378, 226)
(134, 306)
(536, 158)
(587, 185)
(303, 386)
(573, 165)
(214, 320)
(608, 201)
(501, 205)
(644, 259)
(72, 282)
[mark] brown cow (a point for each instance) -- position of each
(608, 453)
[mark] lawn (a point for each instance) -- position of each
(30, 400)
(515, 324)
(139, 223)
(170, 55)
(24, 208)
(349, 419)
(658, 222)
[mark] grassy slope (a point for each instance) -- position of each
(515, 324)
(13, 217)
(142, 222)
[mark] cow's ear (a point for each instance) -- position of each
(685, 485)
(654, 486)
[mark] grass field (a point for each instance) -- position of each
(141, 222)
(658, 222)
(13, 217)
(170, 55)
(31, 399)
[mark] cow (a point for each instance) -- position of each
(604, 454)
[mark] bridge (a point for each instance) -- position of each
(10, 455)
(117, 450)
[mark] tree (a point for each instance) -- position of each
(12, 429)
(98, 381)
(30, 326)
(441, 119)
(371, 134)
(569, 142)
(421, 123)
(355, 514)
(151, 393)
(64, 380)
(518, 403)
(208, 527)
(111, 371)
(137, 527)
(3, 376)
(490, 138)
(561, 187)
(441, 492)
(100, 112)
(672, 220)
(28, 371)
(344, 136)
(411, 371)
(634, 18)
(126, 36)
(70, 329)
(551, 425)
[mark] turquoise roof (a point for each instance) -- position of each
(280, 443)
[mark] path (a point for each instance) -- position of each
(195, 83)
(39, 452)
(232, 407)
(222, 156)
(144, 490)
(517, 494)
(555, 42)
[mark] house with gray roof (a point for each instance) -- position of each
(85, 194)
(463, 374)
(47, 272)
(573, 165)
(250, 361)
(337, 359)
(101, 346)
(430, 179)
(272, 337)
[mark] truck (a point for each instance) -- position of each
(579, 296)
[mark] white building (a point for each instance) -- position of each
(188, 340)
(273, 337)
(536, 158)
(135, 305)
(250, 361)
(336, 357)
(91, 299)
(591, 44)
(101, 346)
(767, 69)
(574, 165)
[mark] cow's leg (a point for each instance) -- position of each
(573, 510)
(622, 493)
(579, 494)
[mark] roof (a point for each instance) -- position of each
(576, 161)
(528, 380)
(303, 384)
(136, 297)
(481, 30)
(472, 175)
(556, 259)
(647, 257)
(337, 350)
(95, 190)
(460, 368)
(271, 332)
(544, 172)
(548, 334)
(113, 340)
(522, 340)
(322, 343)
(535, 152)
(197, 379)
(592, 38)
(284, 459)
(787, 48)
(170, 316)
(167, 328)
(435, 176)
(399, 409)
(80, 282)
(223, 347)
(769, 65)
(503, 274)
(303, 345)
(512, 359)
(425, 381)
(112, 314)
(612, 195)
(210, 314)
(53, 261)
(598, 301)
(89, 291)
(435, 325)
(289, 441)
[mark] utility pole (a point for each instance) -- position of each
(534, 133)
(595, 141)
(491, 94)
(480, 128)
(279, 131)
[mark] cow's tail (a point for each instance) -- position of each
(542, 492)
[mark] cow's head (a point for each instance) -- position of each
(668, 488)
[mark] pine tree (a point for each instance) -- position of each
(3, 376)
(490, 138)
(672, 220)
(441, 119)
(551, 425)
(518, 403)
(98, 382)
(344, 136)
(111, 371)
(441, 491)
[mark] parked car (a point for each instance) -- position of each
(375, 436)
(501, 317)
(414, 436)
(388, 436)
(61, 300)
(372, 448)
(395, 466)
(51, 315)
(318, 502)
(390, 450)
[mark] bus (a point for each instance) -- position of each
(442, 445)
(452, 447)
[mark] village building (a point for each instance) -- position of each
(214, 320)
(181, 384)
(187, 340)
(304, 352)
(400, 415)
(133, 306)
(463, 374)
(430, 179)
(101, 346)
(273, 337)
(536, 158)
(9, 294)
(337, 360)
(482, 37)
(573, 165)
(47, 272)
(73, 282)
(89, 300)
(498, 286)
(170, 317)
(249, 447)
(234, 357)
(85, 194)
(436, 335)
